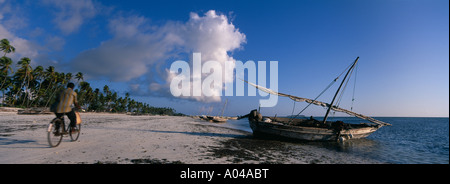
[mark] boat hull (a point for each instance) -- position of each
(219, 119)
(309, 133)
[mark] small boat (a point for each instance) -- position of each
(312, 129)
(218, 119)
(34, 111)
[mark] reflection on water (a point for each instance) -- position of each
(352, 145)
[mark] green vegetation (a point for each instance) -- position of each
(37, 87)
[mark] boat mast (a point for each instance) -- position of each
(337, 92)
(223, 109)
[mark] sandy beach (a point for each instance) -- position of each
(125, 139)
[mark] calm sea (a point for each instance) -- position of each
(407, 141)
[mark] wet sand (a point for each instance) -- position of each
(124, 139)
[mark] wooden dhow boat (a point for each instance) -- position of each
(312, 129)
(216, 119)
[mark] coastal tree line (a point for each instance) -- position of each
(37, 87)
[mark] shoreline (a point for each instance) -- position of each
(123, 139)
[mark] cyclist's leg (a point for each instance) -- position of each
(73, 118)
(58, 124)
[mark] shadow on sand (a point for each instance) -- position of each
(208, 134)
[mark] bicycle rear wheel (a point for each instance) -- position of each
(74, 136)
(54, 136)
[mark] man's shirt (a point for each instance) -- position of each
(66, 99)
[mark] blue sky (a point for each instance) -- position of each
(403, 48)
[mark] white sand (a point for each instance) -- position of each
(118, 138)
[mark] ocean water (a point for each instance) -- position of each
(408, 141)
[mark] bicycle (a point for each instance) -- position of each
(54, 136)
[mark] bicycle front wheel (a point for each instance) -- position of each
(74, 136)
(54, 136)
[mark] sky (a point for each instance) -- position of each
(403, 47)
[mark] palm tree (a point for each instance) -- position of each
(50, 76)
(94, 100)
(5, 64)
(107, 95)
(79, 76)
(84, 93)
(68, 77)
(6, 47)
(60, 78)
(131, 105)
(38, 73)
(26, 71)
(106, 89)
(22, 74)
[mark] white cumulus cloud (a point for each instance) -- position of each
(137, 48)
(9, 23)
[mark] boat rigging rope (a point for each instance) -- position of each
(293, 108)
(343, 90)
(329, 85)
(354, 87)
(345, 87)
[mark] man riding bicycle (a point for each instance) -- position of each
(66, 99)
